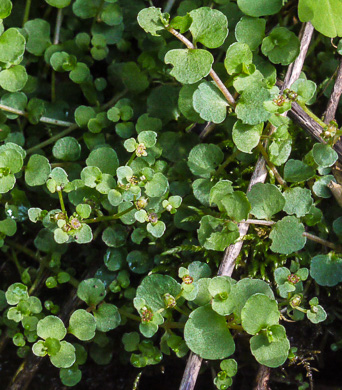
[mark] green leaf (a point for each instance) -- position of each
(236, 205)
(5, 9)
(51, 326)
(209, 27)
(37, 170)
(204, 159)
(313, 11)
(104, 158)
(266, 200)
(158, 186)
(260, 7)
(83, 114)
(10, 159)
(8, 227)
(219, 288)
(250, 108)
(153, 288)
(251, 31)
(246, 137)
(238, 57)
(14, 78)
(209, 102)
(150, 19)
(305, 89)
(296, 171)
(80, 73)
(70, 376)
(65, 357)
(219, 191)
(287, 236)
(298, 201)
(201, 189)
(181, 23)
(189, 65)
(58, 3)
(112, 14)
(326, 269)
(82, 325)
(15, 293)
(207, 335)
(215, 234)
(114, 236)
(38, 31)
(156, 229)
(67, 149)
(107, 317)
(320, 187)
(148, 138)
(12, 46)
(185, 102)
(324, 155)
(271, 353)
(92, 291)
(281, 46)
(259, 312)
(139, 262)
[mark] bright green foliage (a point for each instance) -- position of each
(288, 282)
(59, 3)
(150, 19)
(271, 346)
(157, 186)
(259, 312)
(246, 137)
(38, 31)
(305, 89)
(326, 269)
(324, 155)
(207, 335)
(82, 325)
(209, 102)
(250, 107)
(219, 288)
(14, 78)
(107, 317)
(51, 327)
(320, 187)
(5, 8)
(251, 31)
(12, 46)
(266, 200)
(65, 357)
(70, 376)
(281, 46)
(298, 201)
(224, 377)
(204, 159)
(219, 191)
(181, 23)
(287, 236)
(236, 205)
(37, 171)
(92, 291)
(209, 27)
(189, 65)
(16, 293)
(238, 57)
(67, 149)
(312, 11)
(316, 313)
(104, 158)
(259, 7)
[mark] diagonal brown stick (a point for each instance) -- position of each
(259, 176)
(334, 99)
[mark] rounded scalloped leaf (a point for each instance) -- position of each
(313, 11)
(250, 108)
(14, 78)
(266, 200)
(5, 8)
(271, 354)
(12, 45)
(67, 149)
(326, 270)
(219, 288)
(37, 170)
(260, 7)
(189, 65)
(107, 317)
(65, 357)
(115, 236)
(82, 325)
(298, 201)
(296, 171)
(150, 19)
(70, 376)
(287, 236)
(281, 46)
(92, 291)
(209, 27)
(236, 205)
(246, 137)
(244, 289)
(51, 326)
(324, 155)
(320, 187)
(158, 186)
(185, 103)
(153, 288)
(105, 159)
(209, 102)
(259, 312)
(251, 31)
(15, 293)
(139, 262)
(207, 335)
(204, 159)
(238, 56)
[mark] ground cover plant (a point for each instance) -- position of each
(170, 188)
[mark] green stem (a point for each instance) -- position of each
(53, 86)
(280, 180)
(16, 262)
(129, 315)
(181, 311)
(27, 11)
(312, 115)
(61, 201)
(229, 159)
(131, 159)
(105, 218)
